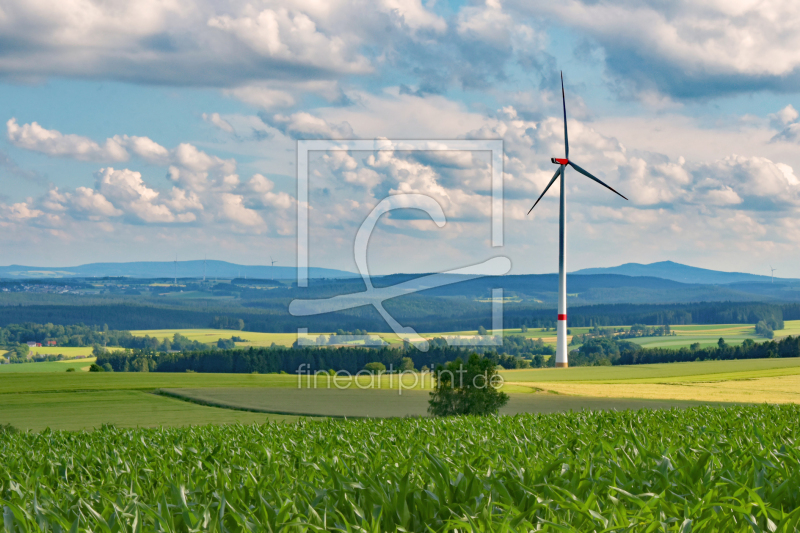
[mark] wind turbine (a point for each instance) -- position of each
(561, 346)
(204, 269)
(176, 270)
(272, 270)
(773, 273)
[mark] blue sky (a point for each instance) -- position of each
(135, 131)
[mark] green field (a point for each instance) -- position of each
(48, 366)
(370, 403)
(86, 410)
(706, 335)
(733, 469)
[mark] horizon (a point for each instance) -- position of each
(355, 274)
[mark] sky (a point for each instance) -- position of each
(138, 131)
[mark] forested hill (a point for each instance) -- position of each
(678, 272)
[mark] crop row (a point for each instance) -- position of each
(701, 469)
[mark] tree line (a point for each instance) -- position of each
(277, 359)
(422, 313)
(612, 351)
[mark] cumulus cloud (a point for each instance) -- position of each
(759, 183)
(51, 142)
(689, 49)
(203, 43)
(216, 120)
(292, 37)
(786, 121)
(304, 125)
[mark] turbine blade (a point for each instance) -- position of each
(579, 169)
(564, 102)
(560, 169)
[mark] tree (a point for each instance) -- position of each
(482, 331)
(721, 343)
(96, 368)
(406, 364)
(375, 368)
(466, 389)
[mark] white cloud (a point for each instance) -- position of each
(232, 209)
(51, 142)
(683, 46)
(292, 37)
(91, 203)
(414, 15)
(218, 121)
(304, 125)
(262, 97)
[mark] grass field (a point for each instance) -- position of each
(85, 410)
(354, 402)
(48, 366)
(706, 335)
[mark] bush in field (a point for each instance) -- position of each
(466, 388)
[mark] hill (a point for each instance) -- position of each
(678, 272)
(166, 269)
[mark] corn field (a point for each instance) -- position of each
(701, 469)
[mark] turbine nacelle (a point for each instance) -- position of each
(557, 161)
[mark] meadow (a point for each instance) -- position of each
(80, 365)
(732, 469)
(83, 400)
(706, 335)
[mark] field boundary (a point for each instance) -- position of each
(225, 405)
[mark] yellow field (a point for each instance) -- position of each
(782, 389)
(213, 335)
(66, 351)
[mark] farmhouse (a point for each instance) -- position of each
(34, 344)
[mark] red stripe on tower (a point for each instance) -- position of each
(562, 317)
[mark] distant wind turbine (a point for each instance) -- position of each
(272, 270)
(176, 270)
(773, 273)
(204, 268)
(561, 346)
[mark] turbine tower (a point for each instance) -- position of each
(272, 270)
(773, 273)
(561, 347)
(176, 270)
(204, 269)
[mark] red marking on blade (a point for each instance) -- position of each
(562, 161)
(562, 317)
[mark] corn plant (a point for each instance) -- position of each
(701, 469)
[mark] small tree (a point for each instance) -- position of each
(466, 389)
(406, 364)
(375, 368)
(481, 331)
